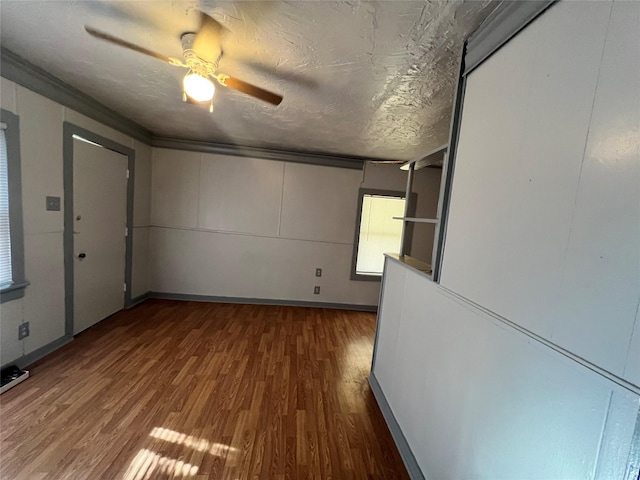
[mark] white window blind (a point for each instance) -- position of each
(379, 232)
(5, 235)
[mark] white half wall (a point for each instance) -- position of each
(477, 399)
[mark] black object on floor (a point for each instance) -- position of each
(11, 376)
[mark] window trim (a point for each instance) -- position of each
(12, 136)
(361, 193)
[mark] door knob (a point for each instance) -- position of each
(82, 255)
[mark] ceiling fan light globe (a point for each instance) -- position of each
(198, 88)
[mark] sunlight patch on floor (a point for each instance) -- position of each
(147, 464)
(198, 444)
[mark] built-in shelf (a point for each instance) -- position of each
(410, 222)
(417, 220)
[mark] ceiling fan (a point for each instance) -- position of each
(202, 52)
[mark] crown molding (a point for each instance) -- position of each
(508, 18)
(24, 73)
(311, 158)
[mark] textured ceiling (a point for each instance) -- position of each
(372, 79)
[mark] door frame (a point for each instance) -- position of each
(69, 130)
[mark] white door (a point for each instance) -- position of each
(100, 218)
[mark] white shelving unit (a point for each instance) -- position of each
(433, 157)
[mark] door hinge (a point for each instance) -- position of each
(125, 287)
(127, 173)
(126, 231)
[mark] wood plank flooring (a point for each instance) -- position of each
(203, 391)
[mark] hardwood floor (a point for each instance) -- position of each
(201, 390)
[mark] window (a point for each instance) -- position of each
(5, 233)
(12, 281)
(377, 232)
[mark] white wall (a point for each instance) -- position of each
(41, 140)
(545, 210)
(250, 228)
(543, 232)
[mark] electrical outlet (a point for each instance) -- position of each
(318, 272)
(23, 330)
(316, 290)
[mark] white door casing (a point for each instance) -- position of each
(99, 221)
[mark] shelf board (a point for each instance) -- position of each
(417, 220)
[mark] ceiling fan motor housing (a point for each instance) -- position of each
(193, 61)
(187, 40)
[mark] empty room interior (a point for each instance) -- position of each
(320, 239)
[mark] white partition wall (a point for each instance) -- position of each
(544, 221)
(524, 361)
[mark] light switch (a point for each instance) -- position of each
(53, 204)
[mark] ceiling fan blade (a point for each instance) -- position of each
(252, 90)
(123, 43)
(207, 42)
